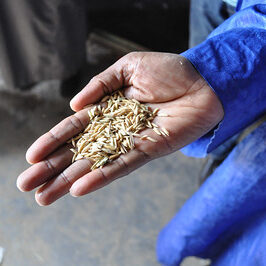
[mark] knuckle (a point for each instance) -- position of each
(106, 89)
(54, 136)
(65, 178)
(43, 198)
(103, 175)
(94, 78)
(76, 122)
(132, 54)
(122, 164)
(50, 166)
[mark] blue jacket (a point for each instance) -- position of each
(225, 220)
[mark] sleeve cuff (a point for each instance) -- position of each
(232, 64)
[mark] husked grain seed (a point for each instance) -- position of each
(111, 129)
(144, 137)
(155, 111)
(162, 114)
(151, 139)
(104, 99)
(165, 131)
(157, 131)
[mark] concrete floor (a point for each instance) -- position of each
(117, 225)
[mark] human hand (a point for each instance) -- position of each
(165, 81)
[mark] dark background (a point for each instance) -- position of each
(160, 25)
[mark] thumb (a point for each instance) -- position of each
(113, 78)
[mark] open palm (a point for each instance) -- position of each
(165, 81)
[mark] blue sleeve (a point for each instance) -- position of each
(233, 62)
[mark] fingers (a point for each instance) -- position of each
(43, 171)
(102, 84)
(57, 136)
(115, 77)
(78, 177)
(101, 177)
(60, 185)
(80, 180)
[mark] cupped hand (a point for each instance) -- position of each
(165, 81)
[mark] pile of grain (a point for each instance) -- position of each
(112, 129)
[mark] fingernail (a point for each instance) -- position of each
(18, 183)
(73, 100)
(39, 194)
(71, 103)
(73, 194)
(28, 157)
(73, 191)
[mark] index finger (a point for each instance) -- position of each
(57, 136)
(113, 78)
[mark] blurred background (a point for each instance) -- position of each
(117, 225)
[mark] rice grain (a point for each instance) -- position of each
(111, 129)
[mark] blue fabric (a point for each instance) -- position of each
(235, 56)
(246, 3)
(245, 245)
(225, 219)
(205, 16)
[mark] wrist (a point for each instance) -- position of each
(202, 95)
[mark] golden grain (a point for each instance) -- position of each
(165, 131)
(157, 131)
(111, 129)
(151, 139)
(162, 115)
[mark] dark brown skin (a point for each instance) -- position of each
(166, 81)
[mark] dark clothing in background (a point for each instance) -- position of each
(39, 38)
(42, 40)
(205, 16)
